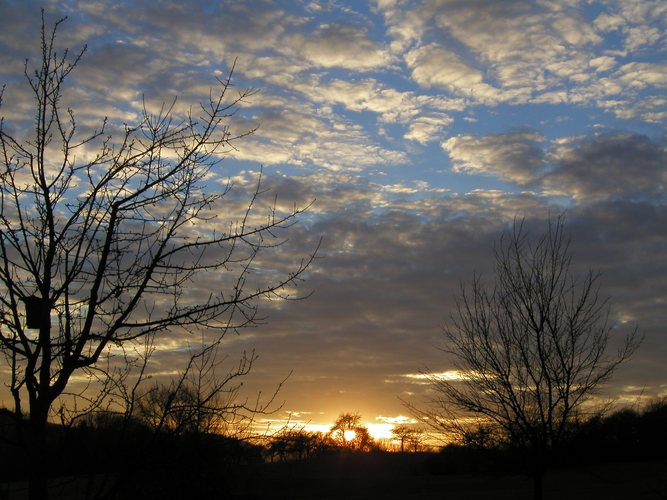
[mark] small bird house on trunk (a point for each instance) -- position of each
(36, 312)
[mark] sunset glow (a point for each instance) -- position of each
(349, 435)
(380, 431)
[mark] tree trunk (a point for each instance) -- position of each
(539, 468)
(38, 473)
(40, 403)
(538, 484)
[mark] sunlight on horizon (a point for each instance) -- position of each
(379, 429)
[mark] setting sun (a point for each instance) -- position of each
(349, 435)
(380, 431)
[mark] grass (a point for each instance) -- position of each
(396, 476)
(390, 476)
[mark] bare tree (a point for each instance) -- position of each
(103, 238)
(530, 349)
(202, 400)
(408, 435)
(297, 444)
(350, 433)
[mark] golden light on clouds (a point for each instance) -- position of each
(449, 375)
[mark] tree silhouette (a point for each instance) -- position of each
(408, 435)
(530, 349)
(201, 400)
(104, 234)
(350, 433)
(298, 444)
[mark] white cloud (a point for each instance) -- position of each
(435, 66)
(609, 22)
(575, 31)
(515, 156)
(447, 376)
(428, 128)
(640, 36)
(602, 63)
(337, 45)
(639, 75)
(405, 25)
(365, 95)
(305, 139)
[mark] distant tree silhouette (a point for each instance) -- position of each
(626, 434)
(345, 425)
(298, 444)
(103, 233)
(202, 400)
(531, 348)
(408, 436)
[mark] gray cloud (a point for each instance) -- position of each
(387, 280)
(338, 45)
(514, 156)
(613, 166)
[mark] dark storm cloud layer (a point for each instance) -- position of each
(374, 113)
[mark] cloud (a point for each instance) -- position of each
(585, 169)
(338, 45)
(389, 272)
(435, 66)
(404, 25)
(344, 100)
(292, 132)
(519, 52)
(365, 95)
(501, 33)
(612, 166)
(514, 156)
(609, 22)
(422, 113)
(638, 75)
(428, 128)
(575, 31)
(602, 63)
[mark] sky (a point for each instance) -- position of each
(419, 130)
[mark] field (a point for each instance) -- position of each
(391, 476)
(396, 476)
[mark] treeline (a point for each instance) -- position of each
(110, 456)
(347, 434)
(624, 435)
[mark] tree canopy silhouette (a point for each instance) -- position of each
(349, 433)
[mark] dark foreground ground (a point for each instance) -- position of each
(395, 476)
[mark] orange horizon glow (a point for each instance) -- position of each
(380, 429)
